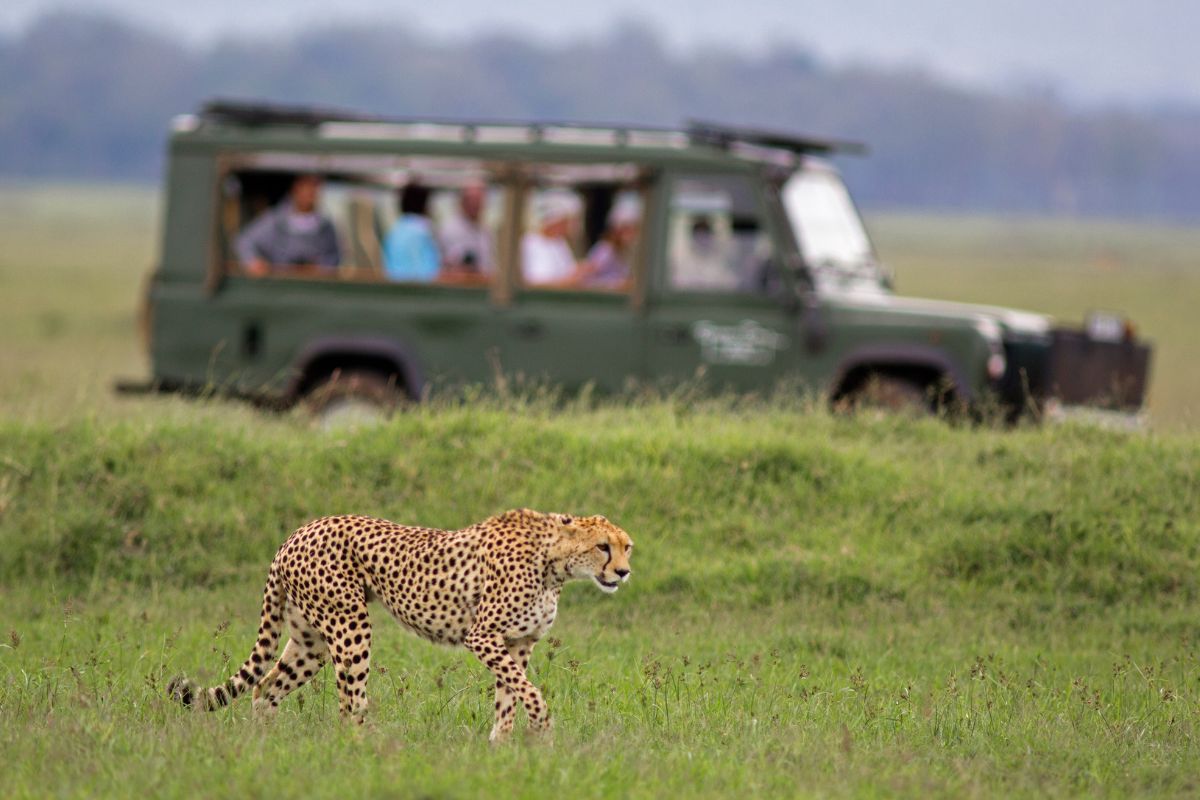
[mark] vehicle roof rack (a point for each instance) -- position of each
(725, 136)
(252, 113)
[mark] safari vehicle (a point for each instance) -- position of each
(750, 266)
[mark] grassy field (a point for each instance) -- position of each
(71, 269)
(820, 606)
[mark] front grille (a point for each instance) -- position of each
(1084, 371)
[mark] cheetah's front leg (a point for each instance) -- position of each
(506, 701)
(509, 669)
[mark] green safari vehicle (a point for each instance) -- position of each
(450, 253)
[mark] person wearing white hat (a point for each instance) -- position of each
(546, 256)
(607, 263)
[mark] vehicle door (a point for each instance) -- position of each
(570, 330)
(718, 308)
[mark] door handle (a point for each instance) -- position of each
(675, 334)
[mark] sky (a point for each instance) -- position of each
(1091, 51)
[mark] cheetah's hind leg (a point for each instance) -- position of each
(301, 659)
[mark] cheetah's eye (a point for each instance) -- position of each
(603, 548)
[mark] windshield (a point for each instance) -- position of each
(827, 225)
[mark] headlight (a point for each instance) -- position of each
(991, 332)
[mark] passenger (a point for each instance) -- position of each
(546, 257)
(607, 263)
(410, 252)
(466, 243)
(704, 261)
(293, 233)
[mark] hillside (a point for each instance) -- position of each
(892, 508)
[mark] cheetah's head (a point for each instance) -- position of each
(594, 549)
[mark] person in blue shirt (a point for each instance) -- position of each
(410, 251)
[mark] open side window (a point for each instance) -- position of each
(374, 219)
(582, 228)
(717, 237)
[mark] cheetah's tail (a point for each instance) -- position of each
(190, 694)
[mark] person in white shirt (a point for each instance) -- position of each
(466, 244)
(546, 256)
(702, 256)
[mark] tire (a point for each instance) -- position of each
(353, 398)
(888, 393)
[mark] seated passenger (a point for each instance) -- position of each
(704, 261)
(607, 263)
(466, 243)
(409, 251)
(293, 233)
(546, 256)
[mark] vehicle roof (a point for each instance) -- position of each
(260, 126)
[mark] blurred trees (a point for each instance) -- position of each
(89, 97)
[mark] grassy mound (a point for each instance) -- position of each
(771, 501)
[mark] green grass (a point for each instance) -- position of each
(820, 606)
(70, 270)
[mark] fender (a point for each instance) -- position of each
(908, 355)
(397, 353)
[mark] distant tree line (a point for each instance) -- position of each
(88, 97)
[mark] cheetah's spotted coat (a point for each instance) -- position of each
(492, 587)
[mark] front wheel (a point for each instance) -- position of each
(349, 398)
(890, 393)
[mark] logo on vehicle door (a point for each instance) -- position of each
(746, 342)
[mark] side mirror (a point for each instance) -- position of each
(801, 278)
(792, 302)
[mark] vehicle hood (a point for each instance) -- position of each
(1013, 322)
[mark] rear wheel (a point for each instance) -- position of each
(348, 398)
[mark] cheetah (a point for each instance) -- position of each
(492, 587)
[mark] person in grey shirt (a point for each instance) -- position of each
(293, 233)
